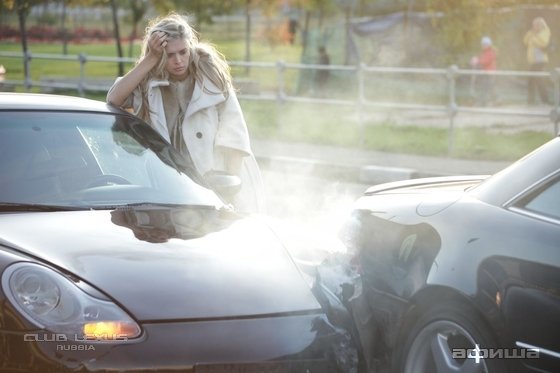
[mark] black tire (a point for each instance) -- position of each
(439, 340)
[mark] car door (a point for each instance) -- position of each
(531, 304)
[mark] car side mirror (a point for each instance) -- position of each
(226, 185)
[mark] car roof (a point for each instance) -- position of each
(522, 175)
(40, 101)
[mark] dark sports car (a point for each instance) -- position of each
(460, 274)
(116, 256)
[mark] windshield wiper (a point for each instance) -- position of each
(162, 205)
(34, 207)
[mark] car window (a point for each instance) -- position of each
(92, 159)
(544, 201)
(114, 160)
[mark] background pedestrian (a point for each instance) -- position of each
(485, 92)
(537, 40)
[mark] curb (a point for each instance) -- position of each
(378, 174)
(368, 174)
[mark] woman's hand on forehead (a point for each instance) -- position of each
(158, 41)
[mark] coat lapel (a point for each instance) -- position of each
(204, 96)
(155, 100)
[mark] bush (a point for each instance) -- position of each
(56, 34)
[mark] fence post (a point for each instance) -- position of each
(452, 72)
(360, 74)
(280, 69)
(555, 112)
(27, 67)
(280, 93)
(81, 84)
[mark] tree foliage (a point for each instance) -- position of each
(204, 10)
(458, 23)
(461, 23)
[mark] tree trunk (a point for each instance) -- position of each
(305, 38)
(247, 34)
(21, 11)
(138, 9)
(132, 38)
(117, 36)
(406, 25)
(63, 27)
(348, 16)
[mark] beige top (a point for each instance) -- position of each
(176, 98)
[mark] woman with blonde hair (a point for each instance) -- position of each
(182, 87)
(537, 40)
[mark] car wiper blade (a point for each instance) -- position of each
(34, 207)
(166, 205)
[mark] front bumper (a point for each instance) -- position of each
(290, 343)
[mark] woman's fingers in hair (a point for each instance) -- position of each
(163, 39)
(158, 40)
(159, 33)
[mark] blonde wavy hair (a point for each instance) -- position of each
(205, 61)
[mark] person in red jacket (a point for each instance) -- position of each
(486, 61)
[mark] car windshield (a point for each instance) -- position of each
(520, 175)
(92, 160)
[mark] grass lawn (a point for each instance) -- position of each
(330, 125)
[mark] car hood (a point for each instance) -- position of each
(428, 184)
(167, 264)
(426, 196)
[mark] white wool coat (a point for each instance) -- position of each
(211, 122)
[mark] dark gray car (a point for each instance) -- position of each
(460, 274)
(116, 256)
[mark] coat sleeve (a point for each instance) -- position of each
(233, 133)
(232, 128)
(128, 103)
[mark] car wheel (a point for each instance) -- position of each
(448, 338)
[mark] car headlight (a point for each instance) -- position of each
(53, 302)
